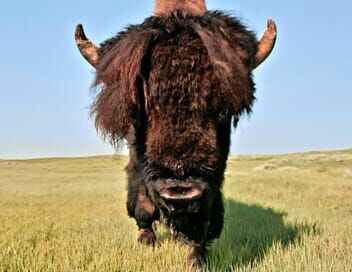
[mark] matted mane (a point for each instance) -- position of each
(230, 46)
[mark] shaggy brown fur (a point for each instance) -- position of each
(170, 86)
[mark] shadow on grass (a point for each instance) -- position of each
(249, 232)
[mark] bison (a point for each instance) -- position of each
(171, 86)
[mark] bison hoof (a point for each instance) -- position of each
(147, 237)
(195, 257)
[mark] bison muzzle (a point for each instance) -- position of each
(172, 86)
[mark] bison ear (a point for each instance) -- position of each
(118, 73)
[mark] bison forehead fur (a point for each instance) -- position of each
(170, 86)
(208, 58)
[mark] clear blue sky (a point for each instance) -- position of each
(304, 91)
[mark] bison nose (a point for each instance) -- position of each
(181, 193)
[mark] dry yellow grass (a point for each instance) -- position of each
(69, 215)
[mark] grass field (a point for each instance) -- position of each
(283, 213)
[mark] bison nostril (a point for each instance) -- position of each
(181, 190)
(180, 193)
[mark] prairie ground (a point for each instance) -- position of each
(283, 213)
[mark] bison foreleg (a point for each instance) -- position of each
(209, 231)
(145, 214)
(147, 237)
(140, 207)
(196, 255)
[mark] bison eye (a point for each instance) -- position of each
(224, 114)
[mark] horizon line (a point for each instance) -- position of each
(125, 154)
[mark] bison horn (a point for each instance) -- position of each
(266, 44)
(88, 49)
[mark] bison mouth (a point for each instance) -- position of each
(179, 196)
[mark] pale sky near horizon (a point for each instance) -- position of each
(304, 90)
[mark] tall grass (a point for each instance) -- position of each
(283, 213)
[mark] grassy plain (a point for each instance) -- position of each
(283, 213)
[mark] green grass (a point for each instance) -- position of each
(283, 213)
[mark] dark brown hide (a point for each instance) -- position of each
(231, 49)
(117, 103)
(170, 86)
